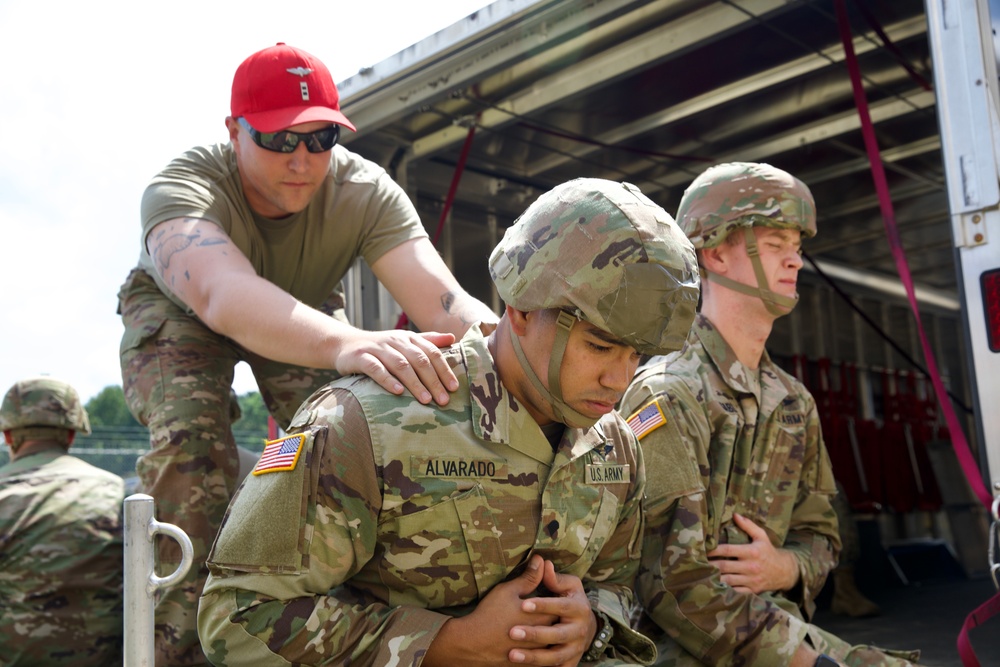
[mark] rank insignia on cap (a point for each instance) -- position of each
(648, 418)
(279, 455)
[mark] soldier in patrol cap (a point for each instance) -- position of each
(740, 532)
(503, 527)
(243, 247)
(60, 536)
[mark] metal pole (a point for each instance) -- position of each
(141, 580)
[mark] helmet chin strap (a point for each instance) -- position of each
(776, 304)
(562, 411)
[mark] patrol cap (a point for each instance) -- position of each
(742, 194)
(281, 86)
(45, 402)
(607, 253)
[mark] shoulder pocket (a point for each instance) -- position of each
(266, 525)
(670, 459)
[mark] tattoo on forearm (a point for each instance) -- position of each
(448, 301)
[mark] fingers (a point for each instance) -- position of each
(438, 339)
(558, 643)
(750, 528)
(425, 372)
(566, 637)
(398, 360)
(548, 635)
(739, 581)
(556, 655)
(726, 566)
(531, 578)
(560, 584)
(724, 551)
(569, 601)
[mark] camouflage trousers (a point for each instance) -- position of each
(671, 654)
(177, 376)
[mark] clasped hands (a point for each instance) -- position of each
(511, 625)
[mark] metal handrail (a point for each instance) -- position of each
(141, 580)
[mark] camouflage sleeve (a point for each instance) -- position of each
(610, 579)
(677, 585)
(289, 540)
(813, 536)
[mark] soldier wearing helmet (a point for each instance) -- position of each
(740, 202)
(60, 536)
(501, 527)
(740, 532)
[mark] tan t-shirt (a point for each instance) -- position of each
(359, 212)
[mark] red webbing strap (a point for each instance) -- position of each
(972, 474)
(403, 320)
(958, 441)
(976, 618)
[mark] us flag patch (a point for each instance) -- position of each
(648, 418)
(281, 454)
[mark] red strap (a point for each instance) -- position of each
(978, 616)
(972, 473)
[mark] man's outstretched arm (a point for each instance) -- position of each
(425, 288)
(198, 262)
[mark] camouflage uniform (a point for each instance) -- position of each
(388, 517)
(721, 439)
(732, 441)
(375, 540)
(60, 543)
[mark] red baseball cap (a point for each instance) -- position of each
(282, 86)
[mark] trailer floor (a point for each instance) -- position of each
(927, 615)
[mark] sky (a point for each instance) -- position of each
(95, 98)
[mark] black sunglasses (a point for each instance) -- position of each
(287, 141)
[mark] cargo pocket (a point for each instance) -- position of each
(143, 308)
(443, 555)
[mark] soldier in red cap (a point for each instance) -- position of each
(243, 248)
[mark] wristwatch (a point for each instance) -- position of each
(826, 661)
(601, 638)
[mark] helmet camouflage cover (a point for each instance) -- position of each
(45, 402)
(608, 254)
(737, 194)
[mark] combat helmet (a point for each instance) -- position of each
(41, 404)
(738, 195)
(603, 252)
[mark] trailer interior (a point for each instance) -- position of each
(480, 118)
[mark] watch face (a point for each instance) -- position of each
(826, 661)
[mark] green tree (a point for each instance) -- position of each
(108, 408)
(254, 411)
